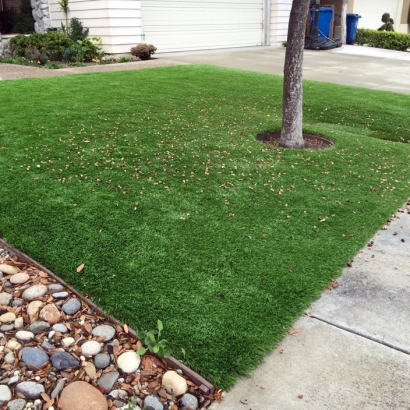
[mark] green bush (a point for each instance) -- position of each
(13, 60)
(76, 31)
(387, 23)
(383, 39)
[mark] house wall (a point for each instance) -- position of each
(117, 22)
(280, 11)
(372, 11)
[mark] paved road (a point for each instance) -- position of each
(350, 65)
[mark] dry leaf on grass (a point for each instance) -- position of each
(80, 268)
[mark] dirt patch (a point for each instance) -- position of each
(311, 141)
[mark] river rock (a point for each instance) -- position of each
(90, 348)
(5, 298)
(13, 344)
(17, 302)
(102, 360)
(107, 380)
(38, 327)
(19, 278)
(55, 286)
(50, 314)
(9, 358)
(7, 317)
(9, 270)
(104, 330)
(80, 395)
(18, 323)
(7, 328)
(17, 404)
(5, 394)
(189, 400)
(173, 383)
(34, 307)
(153, 402)
(24, 335)
(34, 292)
(64, 360)
(30, 390)
(34, 356)
(59, 327)
(67, 341)
(60, 295)
(57, 389)
(72, 306)
(129, 362)
(89, 369)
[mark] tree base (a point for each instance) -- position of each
(311, 141)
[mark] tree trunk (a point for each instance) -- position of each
(343, 22)
(291, 134)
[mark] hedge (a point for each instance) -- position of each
(383, 39)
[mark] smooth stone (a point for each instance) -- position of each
(129, 362)
(34, 292)
(107, 381)
(13, 344)
(19, 323)
(189, 400)
(59, 386)
(153, 402)
(60, 295)
(72, 306)
(19, 278)
(24, 335)
(5, 298)
(34, 307)
(104, 330)
(64, 360)
(50, 314)
(90, 348)
(9, 358)
(6, 328)
(30, 390)
(59, 327)
(89, 369)
(8, 317)
(9, 270)
(55, 286)
(102, 360)
(18, 404)
(38, 327)
(67, 341)
(48, 346)
(14, 380)
(81, 395)
(5, 394)
(17, 302)
(34, 356)
(174, 384)
(119, 394)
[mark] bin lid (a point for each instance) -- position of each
(354, 15)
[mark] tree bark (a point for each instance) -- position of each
(292, 110)
(343, 22)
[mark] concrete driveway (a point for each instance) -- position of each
(350, 65)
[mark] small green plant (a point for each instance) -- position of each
(143, 51)
(388, 23)
(154, 343)
(13, 60)
(53, 66)
(64, 7)
(77, 64)
(124, 60)
(76, 31)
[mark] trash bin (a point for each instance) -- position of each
(325, 20)
(352, 21)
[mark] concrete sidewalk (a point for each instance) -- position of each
(349, 65)
(352, 347)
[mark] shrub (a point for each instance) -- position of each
(13, 60)
(388, 23)
(124, 60)
(383, 39)
(143, 51)
(76, 31)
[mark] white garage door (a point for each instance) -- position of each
(177, 25)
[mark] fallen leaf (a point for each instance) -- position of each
(80, 268)
(294, 331)
(300, 396)
(125, 328)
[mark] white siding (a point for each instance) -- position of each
(117, 22)
(372, 11)
(176, 25)
(280, 11)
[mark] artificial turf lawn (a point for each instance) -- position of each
(154, 180)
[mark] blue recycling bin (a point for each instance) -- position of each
(352, 20)
(325, 20)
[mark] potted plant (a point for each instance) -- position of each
(143, 51)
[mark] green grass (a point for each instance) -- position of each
(153, 179)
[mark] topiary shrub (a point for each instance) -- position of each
(383, 39)
(76, 31)
(143, 51)
(388, 23)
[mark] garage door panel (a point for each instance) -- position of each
(189, 25)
